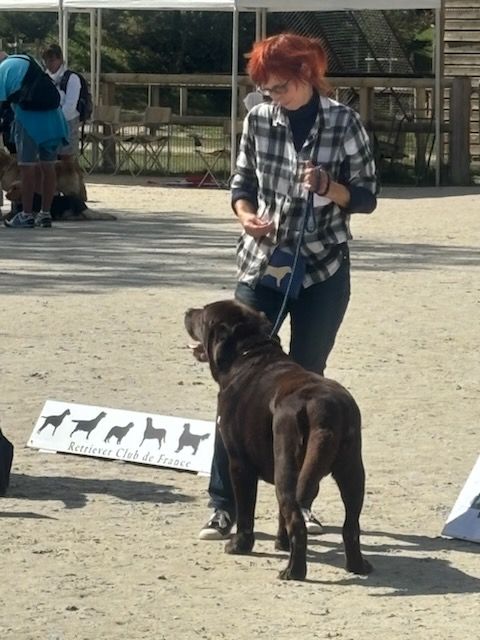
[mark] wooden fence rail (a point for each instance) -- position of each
(457, 95)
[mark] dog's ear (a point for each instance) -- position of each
(264, 325)
(226, 341)
(218, 347)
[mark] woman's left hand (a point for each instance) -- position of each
(316, 179)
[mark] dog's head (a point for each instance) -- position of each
(14, 194)
(9, 170)
(224, 330)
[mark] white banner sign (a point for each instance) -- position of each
(464, 519)
(132, 436)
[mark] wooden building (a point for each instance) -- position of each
(462, 57)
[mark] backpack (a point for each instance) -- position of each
(85, 102)
(6, 457)
(38, 92)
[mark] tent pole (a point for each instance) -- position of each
(60, 23)
(438, 62)
(234, 114)
(98, 56)
(93, 81)
(64, 40)
(258, 24)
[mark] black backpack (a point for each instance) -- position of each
(85, 102)
(6, 457)
(38, 92)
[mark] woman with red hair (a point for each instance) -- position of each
(304, 165)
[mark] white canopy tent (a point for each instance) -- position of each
(29, 5)
(235, 6)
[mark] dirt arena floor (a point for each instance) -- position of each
(101, 550)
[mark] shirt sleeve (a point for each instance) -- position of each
(358, 171)
(244, 185)
(70, 98)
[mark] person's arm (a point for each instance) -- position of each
(244, 187)
(72, 94)
(246, 212)
(355, 191)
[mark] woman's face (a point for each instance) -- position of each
(53, 64)
(290, 94)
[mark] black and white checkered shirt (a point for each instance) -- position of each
(269, 166)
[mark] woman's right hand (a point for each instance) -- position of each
(253, 225)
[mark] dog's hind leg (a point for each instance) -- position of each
(349, 474)
(285, 450)
(244, 482)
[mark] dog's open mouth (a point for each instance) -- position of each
(198, 351)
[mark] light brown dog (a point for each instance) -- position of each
(63, 207)
(70, 180)
(70, 183)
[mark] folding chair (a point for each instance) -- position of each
(215, 159)
(153, 135)
(392, 148)
(100, 136)
(128, 143)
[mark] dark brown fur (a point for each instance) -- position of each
(283, 424)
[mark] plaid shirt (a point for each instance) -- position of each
(269, 165)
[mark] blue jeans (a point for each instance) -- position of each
(315, 317)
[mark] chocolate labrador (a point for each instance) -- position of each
(280, 423)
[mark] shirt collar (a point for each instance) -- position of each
(280, 117)
(57, 76)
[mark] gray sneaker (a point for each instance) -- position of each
(20, 221)
(43, 220)
(218, 527)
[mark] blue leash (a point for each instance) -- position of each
(308, 214)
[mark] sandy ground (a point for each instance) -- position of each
(93, 313)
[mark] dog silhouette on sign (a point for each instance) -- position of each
(278, 273)
(118, 432)
(55, 421)
(88, 425)
(188, 439)
(151, 433)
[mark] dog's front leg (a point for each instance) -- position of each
(244, 481)
(282, 542)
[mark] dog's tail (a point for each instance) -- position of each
(90, 214)
(318, 449)
(204, 436)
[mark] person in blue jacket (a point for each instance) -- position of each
(37, 136)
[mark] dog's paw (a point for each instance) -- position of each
(282, 544)
(362, 568)
(240, 543)
(296, 573)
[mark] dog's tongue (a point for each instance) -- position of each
(198, 352)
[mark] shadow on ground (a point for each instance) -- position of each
(73, 492)
(168, 250)
(395, 566)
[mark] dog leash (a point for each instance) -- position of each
(307, 215)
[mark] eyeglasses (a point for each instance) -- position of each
(276, 90)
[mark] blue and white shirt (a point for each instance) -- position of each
(44, 127)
